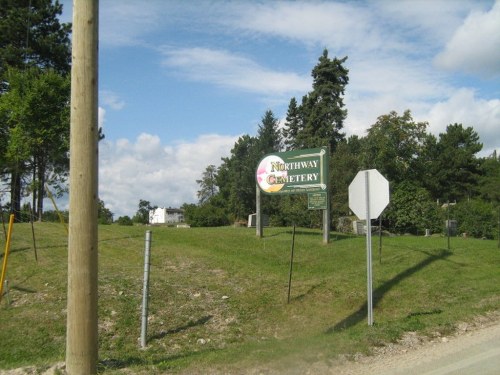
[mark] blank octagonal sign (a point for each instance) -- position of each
(378, 188)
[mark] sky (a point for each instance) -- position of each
(181, 81)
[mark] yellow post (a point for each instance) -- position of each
(6, 254)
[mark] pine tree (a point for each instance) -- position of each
(293, 125)
(322, 110)
(269, 134)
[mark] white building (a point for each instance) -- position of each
(166, 216)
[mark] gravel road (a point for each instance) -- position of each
(473, 350)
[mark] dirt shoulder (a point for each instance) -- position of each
(414, 354)
(408, 356)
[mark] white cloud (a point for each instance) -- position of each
(432, 22)
(163, 175)
(101, 114)
(226, 69)
(111, 100)
(330, 23)
(465, 108)
(127, 22)
(475, 46)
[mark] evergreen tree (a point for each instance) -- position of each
(456, 169)
(269, 134)
(489, 182)
(293, 125)
(322, 111)
(31, 35)
(345, 164)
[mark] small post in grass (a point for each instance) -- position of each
(145, 290)
(380, 239)
(32, 214)
(448, 223)
(499, 227)
(3, 224)
(291, 264)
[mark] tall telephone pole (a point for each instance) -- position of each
(82, 333)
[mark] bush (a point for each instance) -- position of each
(124, 220)
(53, 216)
(476, 218)
(206, 215)
(412, 210)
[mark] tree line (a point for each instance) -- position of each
(425, 171)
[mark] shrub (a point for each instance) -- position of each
(413, 210)
(124, 220)
(206, 215)
(476, 218)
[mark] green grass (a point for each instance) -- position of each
(418, 286)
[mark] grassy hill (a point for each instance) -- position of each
(218, 296)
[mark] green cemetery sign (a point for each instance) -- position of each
(294, 172)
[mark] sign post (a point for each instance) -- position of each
(368, 197)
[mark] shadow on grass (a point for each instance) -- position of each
(309, 291)
(21, 289)
(116, 364)
(190, 324)
(334, 236)
(379, 293)
(161, 363)
(16, 250)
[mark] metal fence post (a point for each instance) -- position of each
(145, 289)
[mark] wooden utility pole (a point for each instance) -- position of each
(81, 335)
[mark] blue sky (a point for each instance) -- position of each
(180, 81)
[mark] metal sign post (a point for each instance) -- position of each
(369, 250)
(145, 289)
(368, 196)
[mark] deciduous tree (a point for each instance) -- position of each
(394, 146)
(142, 214)
(208, 185)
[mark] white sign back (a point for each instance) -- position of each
(378, 194)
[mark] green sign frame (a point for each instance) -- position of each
(294, 172)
